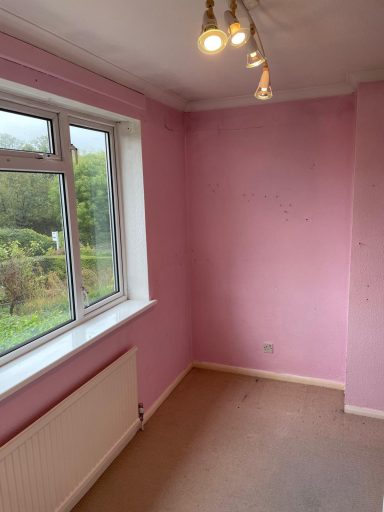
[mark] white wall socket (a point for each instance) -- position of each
(268, 348)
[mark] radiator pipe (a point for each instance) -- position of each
(141, 415)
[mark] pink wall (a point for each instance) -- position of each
(270, 191)
(163, 333)
(267, 260)
(365, 369)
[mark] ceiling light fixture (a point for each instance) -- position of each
(254, 56)
(264, 90)
(238, 35)
(212, 40)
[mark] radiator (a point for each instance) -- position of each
(50, 465)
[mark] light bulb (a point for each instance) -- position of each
(212, 43)
(239, 38)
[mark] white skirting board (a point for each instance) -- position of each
(285, 377)
(364, 411)
(165, 394)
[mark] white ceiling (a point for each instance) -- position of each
(315, 48)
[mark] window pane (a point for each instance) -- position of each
(25, 133)
(95, 214)
(34, 292)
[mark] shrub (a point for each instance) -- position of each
(31, 242)
(56, 263)
(18, 280)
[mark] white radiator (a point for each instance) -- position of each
(50, 465)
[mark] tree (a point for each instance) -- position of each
(33, 200)
(7, 141)
(91, 183)
(30, 200)
(39, 144)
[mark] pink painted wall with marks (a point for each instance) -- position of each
(365, 368)
(261, 252)
(270, 196)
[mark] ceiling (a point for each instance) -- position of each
(315, 48)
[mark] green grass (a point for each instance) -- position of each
(47, 309)
(19, 328)
(35, 318)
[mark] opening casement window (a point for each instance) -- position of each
(60, 236)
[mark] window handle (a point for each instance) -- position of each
(75, 153)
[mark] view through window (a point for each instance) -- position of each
(34, 296)
(36, 132)
(48, 277)
(94, 203)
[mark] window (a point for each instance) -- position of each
(37, 132)
(95, 212)
(60, 249)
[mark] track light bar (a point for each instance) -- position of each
(213, 40)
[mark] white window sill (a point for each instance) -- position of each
(28, 367)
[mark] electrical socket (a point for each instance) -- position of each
(268, 348)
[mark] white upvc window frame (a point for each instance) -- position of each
(60, 162)
(17, 108)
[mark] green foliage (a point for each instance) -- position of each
(33, 200)
(18, 277)
(34, 244)
(30, 201)
(17, 329)
(92, 199)
(33, 274)
(56, 263)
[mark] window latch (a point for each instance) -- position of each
(75, 153)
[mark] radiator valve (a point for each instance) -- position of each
(141, 415)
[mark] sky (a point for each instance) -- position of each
(28, 128)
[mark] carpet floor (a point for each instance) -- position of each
(230, 443)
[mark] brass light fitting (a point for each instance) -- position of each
(213, 40)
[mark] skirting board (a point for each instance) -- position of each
(285, 377)
(364, 411)
(165, 394)
(98, 470)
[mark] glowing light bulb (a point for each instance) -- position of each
(212, 43)
(239, 38)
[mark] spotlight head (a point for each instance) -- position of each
(212, 40)
(264, 90)
(254, 56)
(238, 36)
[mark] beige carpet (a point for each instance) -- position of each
(228, 443)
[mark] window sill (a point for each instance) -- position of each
(28, 367)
